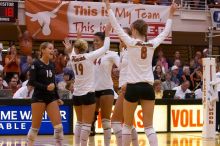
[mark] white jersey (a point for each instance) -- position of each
(140, 53)
(83, 67)
(123, 67)
(217, 79)
(103, 70)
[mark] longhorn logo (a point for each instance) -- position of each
(44, 18)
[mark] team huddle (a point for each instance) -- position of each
(93, 87)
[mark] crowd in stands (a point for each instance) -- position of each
(169, 74)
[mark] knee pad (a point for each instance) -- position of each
(149, 130)
(32, 134)
(106, 124)
(116, 126)
(126, 130)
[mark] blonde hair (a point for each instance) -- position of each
(156, 83)
(43, 46)
(81, 45)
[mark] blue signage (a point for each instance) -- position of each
(16, 120)
(216, 16)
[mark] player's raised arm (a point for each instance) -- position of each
(118, 29)
(99, 52)
(162, 36)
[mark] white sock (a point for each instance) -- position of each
(106, 124)
(151, 135)
(32, 134)
(84, 135)
(91, 141)
(117, 129)
(134, 137)
(126, 135)
(58, 135)
(77, 132)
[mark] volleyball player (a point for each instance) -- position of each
(117, 116)
(45, 97)
(140, 76)
(84, 91)
(104, 87)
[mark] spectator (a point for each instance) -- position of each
(197, 59)
(175, 78)
(176, 57)
(158, 89)
(192, 66)
(60, 61)
(70, 87)
(13, 85)
(26, 67)
(19, 82)
(158, 74)
(27, 79)
(162, 59)
(177, 62)
(196, 78)
(186, 76)
(168, 84)
(24, 92)
(12, 62)
(205, 52)
(66, 77)
(198, 93)
(160, 64)
(2, 86)
(182, 90)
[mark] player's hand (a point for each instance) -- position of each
(51, 87)
(67, 43)
(107, 4)
(60, 102)
(173, 9)
(79, 34)
(108, 29)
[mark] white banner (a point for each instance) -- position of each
(59, 20)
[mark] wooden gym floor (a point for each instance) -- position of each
(165, 139)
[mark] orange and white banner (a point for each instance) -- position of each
(159, 119)
(55, 20)
(186, 117)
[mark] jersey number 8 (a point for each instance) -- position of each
(79, 68)
(144, 52)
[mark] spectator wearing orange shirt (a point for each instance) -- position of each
(12, 64)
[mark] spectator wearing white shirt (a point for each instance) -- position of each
(182, 90)
(198, 93)
(24, 92)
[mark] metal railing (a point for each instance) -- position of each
(194, 4)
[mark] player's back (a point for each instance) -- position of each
(84, 74)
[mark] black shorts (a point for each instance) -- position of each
(87, 99)
(43, 100)
(98, 94)
(137, 91)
